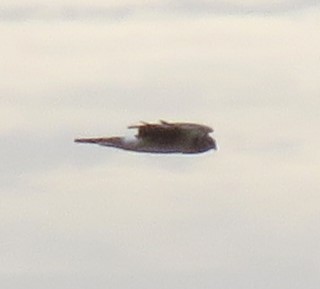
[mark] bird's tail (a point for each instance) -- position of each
(105, 141)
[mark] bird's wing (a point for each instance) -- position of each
(172, 131)
(196, 129)
(157, 131)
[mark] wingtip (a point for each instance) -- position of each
(78, 140)
(86, 140)
(164, 122)
(143, 123)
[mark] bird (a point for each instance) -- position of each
(164, 137)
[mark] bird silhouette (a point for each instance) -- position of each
(165, 137)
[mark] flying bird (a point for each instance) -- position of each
(165, 137)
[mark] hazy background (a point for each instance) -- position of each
(77, 216)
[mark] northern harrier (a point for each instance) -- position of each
(166, 137)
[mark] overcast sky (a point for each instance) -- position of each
(82, 216)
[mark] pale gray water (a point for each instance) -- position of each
(83, 217)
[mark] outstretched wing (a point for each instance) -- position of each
(171, 132)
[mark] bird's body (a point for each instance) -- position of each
(165, 137)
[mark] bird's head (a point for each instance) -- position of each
(210, 143)
(205, 143)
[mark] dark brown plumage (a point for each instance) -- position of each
(165, 137)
